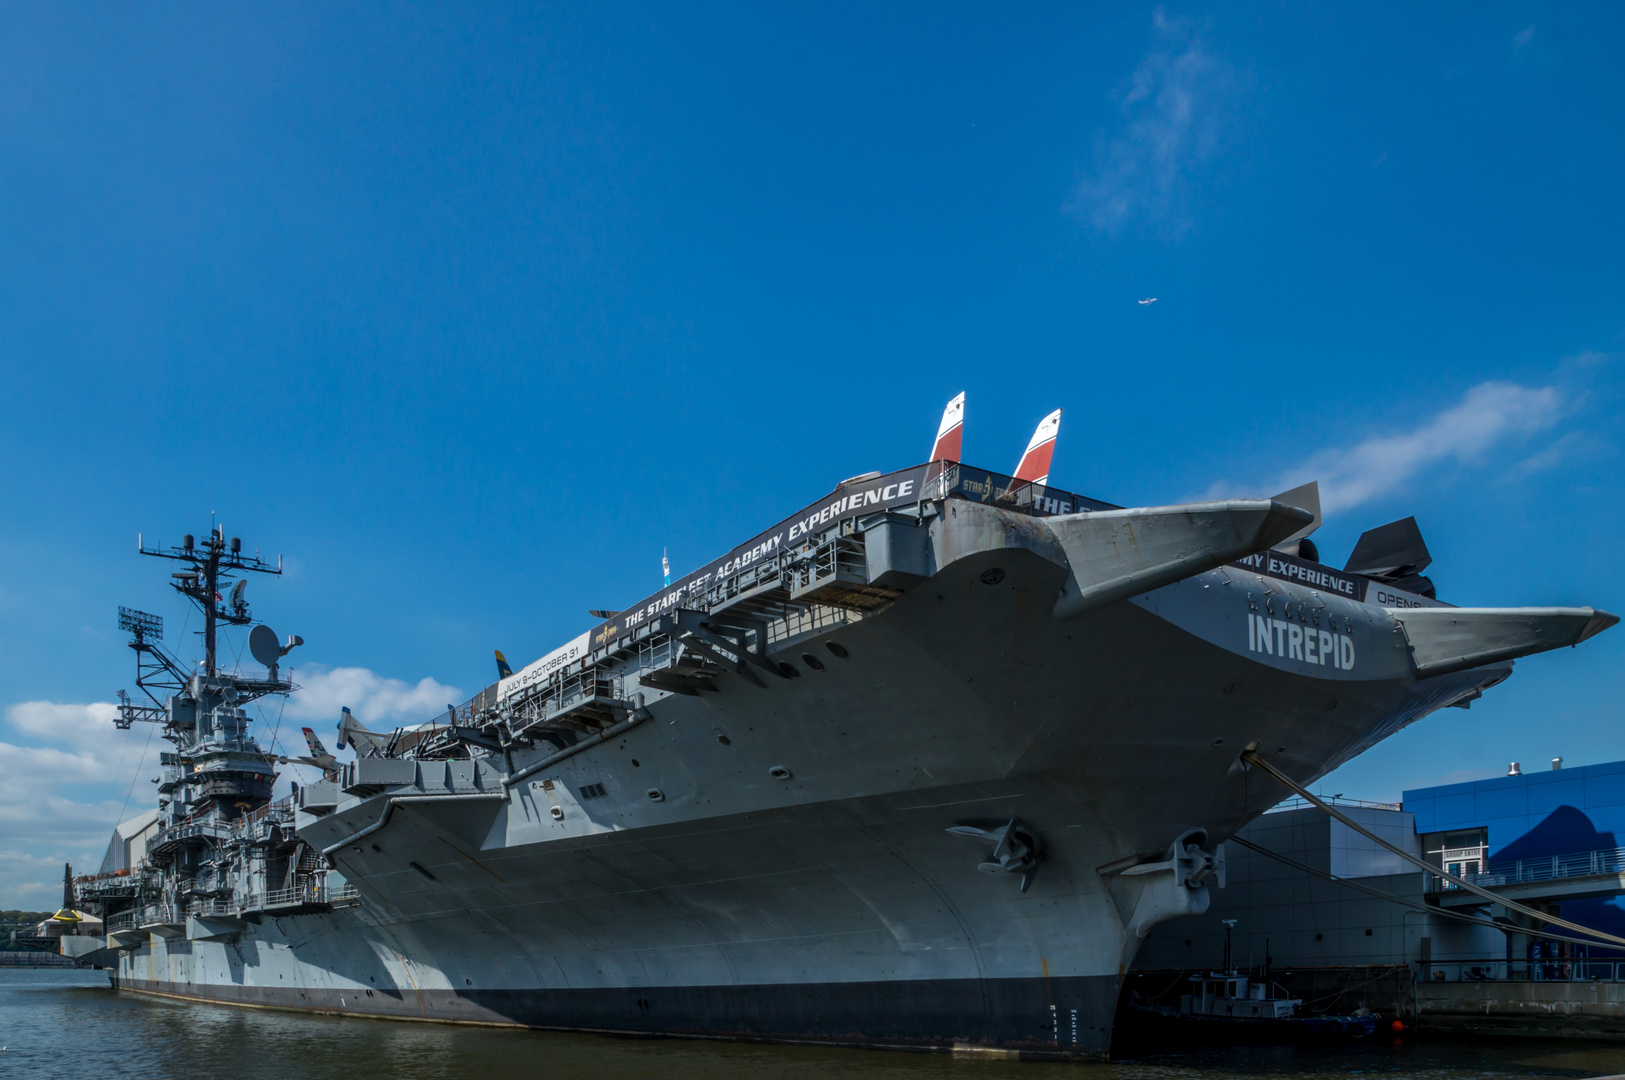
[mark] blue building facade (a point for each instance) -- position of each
(1531, 815)
(1487, 825)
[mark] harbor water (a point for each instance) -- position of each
(70, 1024)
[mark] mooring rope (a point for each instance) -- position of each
(1412, 905)
(1251, 757)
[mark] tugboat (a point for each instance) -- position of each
(1229, 1007)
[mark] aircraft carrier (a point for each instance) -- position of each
(917, 767)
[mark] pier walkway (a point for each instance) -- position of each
(1580, 875)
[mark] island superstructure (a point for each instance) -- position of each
(919, 766)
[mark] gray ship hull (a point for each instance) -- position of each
(795, 879)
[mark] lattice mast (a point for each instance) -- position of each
(210, 569)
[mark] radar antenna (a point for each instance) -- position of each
(208, 568)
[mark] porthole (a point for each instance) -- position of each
(837, 648)
(992, 576)
(812, 661)
(558, 813)
(656, 795)
(789, 670)
(779, 772)
(724, 740)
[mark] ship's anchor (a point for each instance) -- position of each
(1180, 884)
(1016, 849)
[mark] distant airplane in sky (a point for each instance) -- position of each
(1149, 300)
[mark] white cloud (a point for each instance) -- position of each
(83, 727)
(1523, 38)
(68, 775)
(61, 745)
(376, 700)
(29, 882)
(1174, 108)
(65, 775)
(1491, 416)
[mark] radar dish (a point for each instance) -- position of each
(262, 642)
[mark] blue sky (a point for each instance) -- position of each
(471, 311)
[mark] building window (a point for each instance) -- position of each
(1460, 852)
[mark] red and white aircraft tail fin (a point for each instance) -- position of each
(946, 448)
(1034, 465)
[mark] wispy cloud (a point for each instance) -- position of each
(1491, 416)
(1589, 358)
(376, 700)
(1174, 107)
(1552, 456)
(1524, 38)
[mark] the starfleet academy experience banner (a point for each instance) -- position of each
(1315, 576)
(905, 488)
(856, 497)
(1303, 572)
(979, 485)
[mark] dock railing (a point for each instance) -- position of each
(1537, 969)
(1549, 868)
(1297, 803)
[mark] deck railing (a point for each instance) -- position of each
(206, 908)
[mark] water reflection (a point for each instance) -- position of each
(69, 1024)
